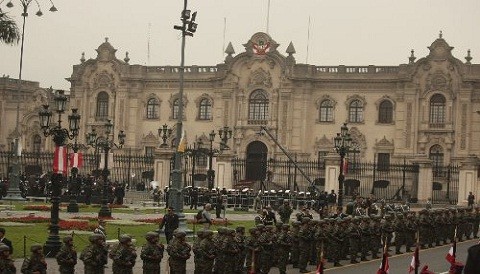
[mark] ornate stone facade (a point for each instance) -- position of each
(403, 111)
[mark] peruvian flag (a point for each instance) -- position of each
(60, 160)
(415, 261)
(384, 267)
(320, 267)
(451, 253)
(76, 160)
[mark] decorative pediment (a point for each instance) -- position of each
(358, 138)
(260, 44)
(260, 77)
(103, 80)
(384, 144)
(324, 143)
(351, 98)
(325, 98)
(440, 50)
(106, 52)
(150, 138)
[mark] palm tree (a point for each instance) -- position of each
(9, 32)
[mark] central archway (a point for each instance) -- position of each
(256, 161)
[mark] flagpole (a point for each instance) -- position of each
(417, 261)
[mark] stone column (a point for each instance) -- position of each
(223, 168)
(162, 166)
(468, 179)
(425, 178)
(332, 169)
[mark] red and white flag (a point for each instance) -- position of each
(76, 160)
(60, 160)
(384, 267)
(415, 263)
(451, 253)
(320, 268)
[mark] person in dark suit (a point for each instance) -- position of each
(170, 221)
(473, 260)
(4, 240)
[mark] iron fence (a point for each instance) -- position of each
(445, 183)
(390, 182)
(132, 169)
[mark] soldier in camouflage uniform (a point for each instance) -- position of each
(295, 251)
(196, 250)
(217, 245)
(400, 233)
(476, 222)
(7, 265)
(375, 236)
(253, 249)
(152, 253)
(266, 240)
(284, 242)
(411, 228)
(95, 255)
(353, 234)
(206, 254)
(387, 230)
(179, 252)
(240, 240)
(285, 211)
(335, 238)
(365, 238)
(231, 249)
(470, 221)
(124, 256)
(67, 256)
(304, 245)
(36, 263)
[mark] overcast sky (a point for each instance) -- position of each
(342, 32)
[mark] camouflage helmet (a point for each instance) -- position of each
(252, 230)
(4, 247)
(200, 234)
(125, 238)
(285, 226)
(36, 247)
(180, 234)
(279, 224)
(296, 223)
(207, 233)
(67, 238)
(92, 238)
(240, 229)
(259, 226)
(151, 235)
(305, 220)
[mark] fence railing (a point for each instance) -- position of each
(445, 184)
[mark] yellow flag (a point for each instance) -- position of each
(182, 145)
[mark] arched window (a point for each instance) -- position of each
(102, 105)
(385, 112)
(258, 107)
(326, 111)
(152, 108)
(355, 112)
(205, 109)
(37, 143)
(436, 155)
(437, 111)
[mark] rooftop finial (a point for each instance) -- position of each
(412, 57)
(83, 57)
(468, 57)
(106, 39)
(440, 35)
(126, 59)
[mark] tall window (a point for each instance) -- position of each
(437, 111)
(436, 155)
(37, 142)
(149, 151)
(383, 161)
(205, 110)
(258, 106)
(102, 105)
(385, 112)
(152, 108)
(355, 111)
(326, 111)
(176, 106)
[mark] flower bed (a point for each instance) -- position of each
(76, 225)
(26, 219)
(112, 206)
(37, 207)
(150, 221)
(90, 218)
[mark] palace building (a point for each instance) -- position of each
(425, 111)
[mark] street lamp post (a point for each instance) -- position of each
(211, 153)
(73, 206)
(175, 196)
(106, 144)
(342, 146)
(13, 192)
(164, 132)
(60, 135)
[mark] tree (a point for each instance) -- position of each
(9, 32)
